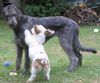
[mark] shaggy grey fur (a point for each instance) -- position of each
(65, 29)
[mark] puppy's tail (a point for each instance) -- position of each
(79, 46)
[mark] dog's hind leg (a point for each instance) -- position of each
(66, 38)
(33, 74)
(72, 57)
(75, 49)
(47, 72)
(79, 56)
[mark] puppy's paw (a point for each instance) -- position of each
(47, 77)
(31, 80)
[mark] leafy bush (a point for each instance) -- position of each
(1, 17)
(34, 10)
(46, 10)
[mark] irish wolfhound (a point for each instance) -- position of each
(65, 29)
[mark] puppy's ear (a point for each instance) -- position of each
(36, 29)
(49, 32)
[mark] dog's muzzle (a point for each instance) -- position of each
(12, 22)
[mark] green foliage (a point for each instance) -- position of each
(1, 17)
(46, 10)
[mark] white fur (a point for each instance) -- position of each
(36, 51)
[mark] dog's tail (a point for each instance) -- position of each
(79, 46)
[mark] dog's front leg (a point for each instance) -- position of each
(27, 60)
(19, 57)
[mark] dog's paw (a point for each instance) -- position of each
(47, 77)
(31, 79)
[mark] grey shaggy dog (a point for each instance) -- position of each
(65, 29)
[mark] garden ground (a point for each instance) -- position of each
(88, 73)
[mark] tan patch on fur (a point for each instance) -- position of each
(36, 29)
(38, 64)
(48, 32)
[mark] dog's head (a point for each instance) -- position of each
(40, 29)
(12, 15)
(49, 32)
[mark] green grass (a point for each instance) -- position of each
(88, 73)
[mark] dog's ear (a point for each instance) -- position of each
(6, 3)
(36, 29)
(49, 32)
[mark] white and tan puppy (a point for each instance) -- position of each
(37, 53)
(41, 33)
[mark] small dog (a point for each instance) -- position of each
(37, 53)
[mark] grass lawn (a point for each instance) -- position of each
(88, 73)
